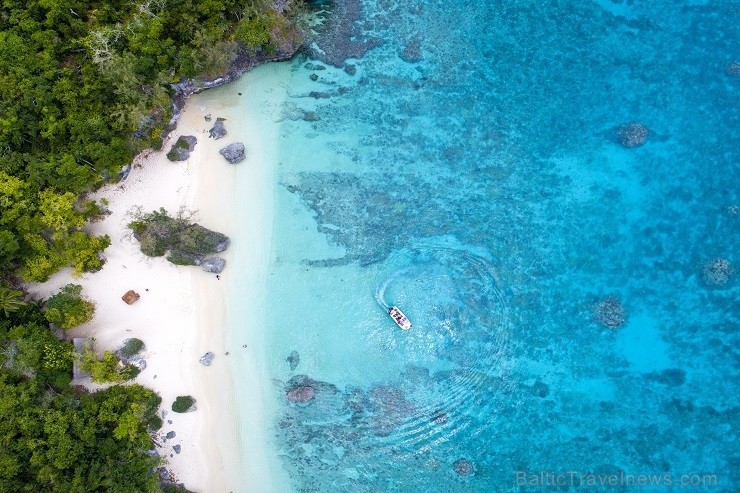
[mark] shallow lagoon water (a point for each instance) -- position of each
(467, 168)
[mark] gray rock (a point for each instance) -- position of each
(294, 359)
(214, 265)
(177, 449)
(182, 148)
(234, 153)
(633, 134)
(610, 312)
(207, 358)
(138, 362)
(218, 130)
(208, 117)
(412, 51)
(311, 116)
(220, 247)
(301, 395)
(170, 434)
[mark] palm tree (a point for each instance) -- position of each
(10, 300)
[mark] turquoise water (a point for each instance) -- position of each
(466, 165)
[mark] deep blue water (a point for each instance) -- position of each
(466, 165)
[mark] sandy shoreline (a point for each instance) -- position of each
(184, 312)
(168, 317)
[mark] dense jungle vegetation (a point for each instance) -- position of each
(84, 86)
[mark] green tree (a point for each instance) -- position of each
(68, 309)
(10, 300)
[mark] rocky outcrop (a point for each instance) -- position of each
(412, 51)
(341, 36)
(182, 148)
(234, 153)
(222, 246)
(610, 312)
(214, 265)
(218, 129)
(632, 134)
(283, 45)
(301, 395)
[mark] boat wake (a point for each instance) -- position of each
(461, 338)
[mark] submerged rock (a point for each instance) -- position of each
(717, 272)
(672, 377)
(412, 51)
(540, 389)
(218, 130)
(294, 359)
(234, 153)
(207, 358)
(733, 69)
(301, 394)
(633, 134)
(463, 467)
(214, 265)
(610, 312)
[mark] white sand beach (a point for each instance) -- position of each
(184, 312)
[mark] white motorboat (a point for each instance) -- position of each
(398, 317)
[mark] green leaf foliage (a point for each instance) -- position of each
(159, 233)
(57, 439)
(182, 403)
(68, 309)
(10, 300)
(132, 347)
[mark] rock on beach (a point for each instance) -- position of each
(218, 130)
(214, 265)
(234, 153)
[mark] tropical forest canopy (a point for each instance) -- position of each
(84, 86)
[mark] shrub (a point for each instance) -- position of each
(106, 369)
(132, 347)
(182, 403)
(154, 423)
(67, 309)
